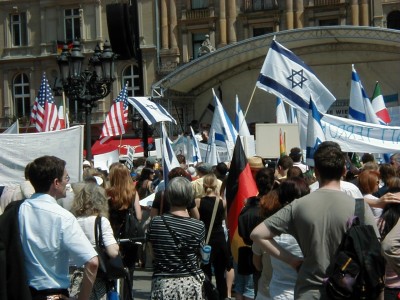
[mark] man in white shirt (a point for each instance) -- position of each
(51, 236)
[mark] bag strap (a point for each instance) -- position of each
(217, 199)
(359, 210)
(180, 248)
(161, 203)
(98, 233)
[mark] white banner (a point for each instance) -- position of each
(17, 150)
(356, 136)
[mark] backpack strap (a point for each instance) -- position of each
(359, 210)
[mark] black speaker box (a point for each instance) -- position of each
(120, 30)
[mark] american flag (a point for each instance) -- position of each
(44, 112)
(117, 118)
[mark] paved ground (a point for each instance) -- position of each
(142, 284)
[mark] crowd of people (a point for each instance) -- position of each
(290, 229)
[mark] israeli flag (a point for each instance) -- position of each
(315, 134)
(221, 125)
(360, 107)
(212, 154)
(281, 116)
(240, 122)
(169, 158)
(195, 148)
(150, 111)
(288, 77)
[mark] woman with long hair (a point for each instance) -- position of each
(89, 202)
(123, 197)
(220, 255)
(144, 184)
(283, 279)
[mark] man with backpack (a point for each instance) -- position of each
(318, 221)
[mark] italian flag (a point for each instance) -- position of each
(379, 107)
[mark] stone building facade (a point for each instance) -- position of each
(171, 34)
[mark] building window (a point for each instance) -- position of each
(197, 41)
(21, 95)
(131, 75)
(328, 22)
(72, 24)
(198, 4)
(393, 20)
(19, 30)
(262, 31)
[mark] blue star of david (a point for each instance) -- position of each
(150, 106)
(295, 75)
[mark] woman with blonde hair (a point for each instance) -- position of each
(89, 202)
(220, 255)
(123, 197)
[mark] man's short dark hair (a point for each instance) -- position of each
(329, 161)
(295, 154)
(43, 170)
(285, 162)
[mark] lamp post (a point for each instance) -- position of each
(90, 85)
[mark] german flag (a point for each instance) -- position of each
(240, 185)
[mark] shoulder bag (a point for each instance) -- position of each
(109, 267)
(210, 291)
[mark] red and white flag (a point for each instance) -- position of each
(44, 113)
(117, 118)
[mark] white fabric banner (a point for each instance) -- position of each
(356, 136)
(17, 150)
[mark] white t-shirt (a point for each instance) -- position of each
(87, 224)
(349, 188)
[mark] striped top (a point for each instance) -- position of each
(169, 261)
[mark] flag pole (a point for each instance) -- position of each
(120, 145)
(248, 105)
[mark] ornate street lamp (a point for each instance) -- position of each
(89, 85)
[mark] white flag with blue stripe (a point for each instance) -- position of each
(169, 158)
(360, 107)
(150, 111)
(212, 155)
(221, 125)
(281, 116)
(195, 148)
(287, 76)
(240, 122)
(13, 129)
(315, 134)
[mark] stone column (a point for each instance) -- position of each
(364, 9)
(289, 14)
(164, 24)
(222, 24)
(354, 13)
(232, 38)
(173, 25)
(299, 14)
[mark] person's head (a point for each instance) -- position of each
(179, 192)
(395, 162)
(178, 172)
(47, 175)
(181, 159)
(204, 135)
(150, 162)
(269, 203)
(203, 169)
(371, 165)
(367, 157)
(390, 214)
(210, 183)
(295, 154)
(26, 171)
(220, 170)
(294, 172)
(255, 164)
(90, 200)
(86, 165)
(329, 162)
(368, 181)
(283, 165)
(386, 171)
(264, 180)
(292, 188)
(147, 174)
(122, 189)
